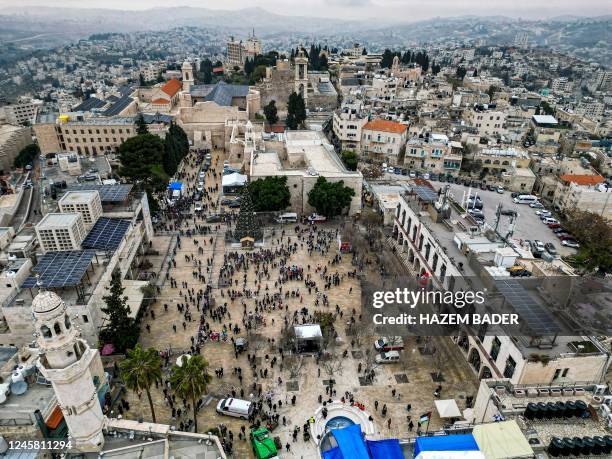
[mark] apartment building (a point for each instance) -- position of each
(87, 203)
(561, 85)
(383, 88)
(583, 192)
(591, 108)
(347, 124)
(238, 51)
(383, 140)
(61, 231)
(487, 121)
(432, 153)
(91, 136)
(23, 112)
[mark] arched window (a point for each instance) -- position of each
(67, 322)
(57, 328)
(505, 163)
(46, 332)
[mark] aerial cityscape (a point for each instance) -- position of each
(355, 229)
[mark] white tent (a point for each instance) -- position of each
(502, 440)
(234, 179)
(447, 408)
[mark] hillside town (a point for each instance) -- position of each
(194, 226)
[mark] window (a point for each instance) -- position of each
(67, 322)
(85, 318)
(495, 348)
(565, 372)
(45, 331)
(57, 329)
(510, 367)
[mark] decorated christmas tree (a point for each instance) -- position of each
(246, 225)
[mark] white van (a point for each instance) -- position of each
(388, 357)
(525, 199)
(235, 407)
(288, 217)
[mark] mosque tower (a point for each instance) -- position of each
(187, 70)
(74, 370)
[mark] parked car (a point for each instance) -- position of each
(550, 248)
(500, 189)
(549, 220)
(491, 187)
(476, 213)
(519, 271)
(389, 343)
(554, 225)
(425, 176)
(198, 206)
(235, 407)
(543, 213)
(433, 177)
(536, 205)
(559, 230)
(509, 212)
(573, 243)
(316, 218)
(234, 204)
(213, 219)
(412, 174)
(388, 357)
(564, 235)
(537, 248)
(514, 194)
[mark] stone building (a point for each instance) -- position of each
(383, 140)
(12, 140)
(303, 157)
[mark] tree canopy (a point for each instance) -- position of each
(121, 329)
(296, 111)
(176, 147)
(594, 233)
(141, 126)
(350, 159)
(330, 198)
(190, 381)
(140, 370)
(270, 194)
(27, 155)
(271, 112)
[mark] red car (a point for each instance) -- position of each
(563, 237)
(554, 225)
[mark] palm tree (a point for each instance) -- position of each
(140, 370)
(190, 380)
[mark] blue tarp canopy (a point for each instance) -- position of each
(464, 442)
(351, 444)
(333, 453)
(175, 186)
(385, 449)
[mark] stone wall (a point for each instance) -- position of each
(47, 138)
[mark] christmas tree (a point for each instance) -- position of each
(246, 225)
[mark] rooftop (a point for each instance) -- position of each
(58, 220)
(583, 179)
(172, 87)
(78, 196)
(544, 119)
(103, 121)
(386, 126)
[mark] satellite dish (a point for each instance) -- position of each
(19, 388)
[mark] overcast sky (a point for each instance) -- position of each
(390, 9)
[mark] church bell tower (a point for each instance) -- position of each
(73, 368)
(301, 74)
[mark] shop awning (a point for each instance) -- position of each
(447, 408)
(501, 440)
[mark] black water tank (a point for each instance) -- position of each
(587, 445)
(542, 411)
(600, 445)
(555, 447)
(577, 449)
(568, 446)
(552, 410)
(570, 409)
(581, 408)
(531, 411)
(562, 408)
(608, 448)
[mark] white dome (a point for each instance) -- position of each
(45, 301)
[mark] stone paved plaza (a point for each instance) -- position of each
(411, 378)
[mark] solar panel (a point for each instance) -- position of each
(118, 106)
(108, 193)
(106, 234)
(538, 319)
(60, 269)
(425, 193)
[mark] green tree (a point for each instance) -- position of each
(190, 381)
(121, 329)
(296, 111)
(461, 71)
(246, 226)
(176, 147)
(350, 159)
(330, 198)
(595, 235)
(271, 112)
(270, 194)
(206, 67)
(141, 126)
(141, 80)
(140, 370)
(26, 156)
(258, 73)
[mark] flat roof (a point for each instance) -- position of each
(57, 219)
(78, 196)
(545, 119)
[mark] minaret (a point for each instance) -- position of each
(301, 74)
(73, 369)
(187, 70)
